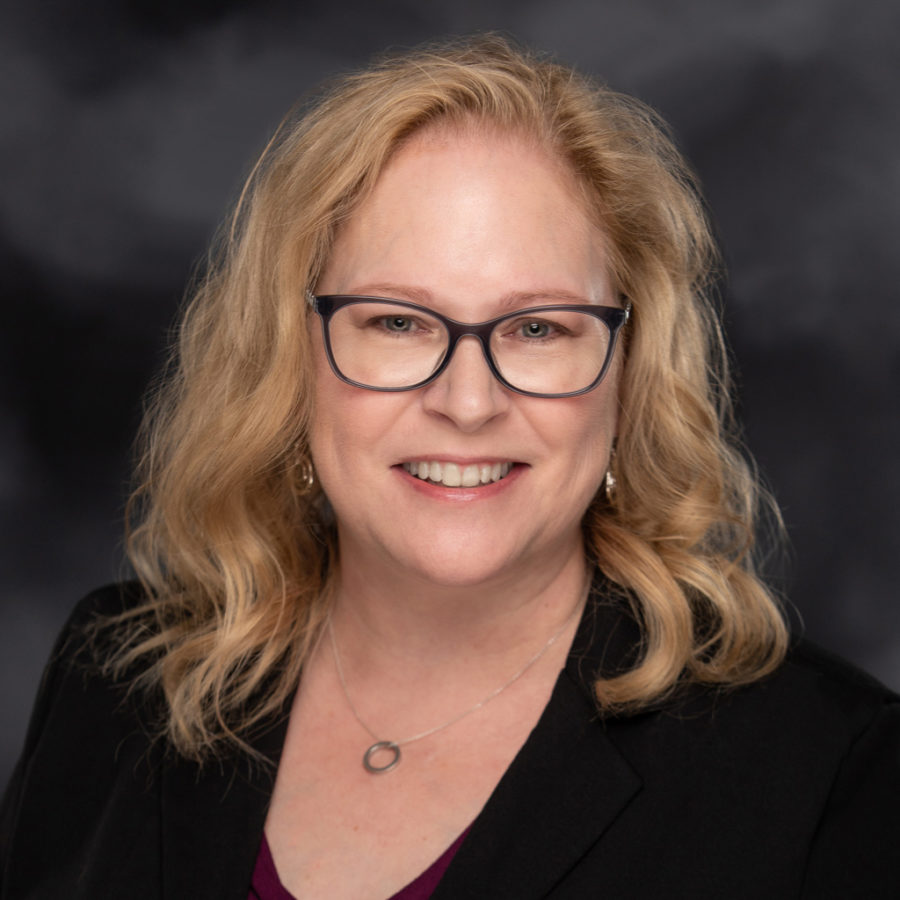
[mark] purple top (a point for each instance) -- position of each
(266, 885)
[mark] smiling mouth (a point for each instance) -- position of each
(450, 474)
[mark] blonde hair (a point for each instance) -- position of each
(233, 552)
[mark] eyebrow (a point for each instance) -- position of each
(511, 301)
(518, 299)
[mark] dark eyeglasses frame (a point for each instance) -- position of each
(326, 305)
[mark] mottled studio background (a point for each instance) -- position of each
(125, 128)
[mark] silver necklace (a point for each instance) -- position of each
(393, 747)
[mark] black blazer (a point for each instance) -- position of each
(789, 788)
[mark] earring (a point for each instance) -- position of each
(609, 485)
(609, 482)
(306, 474)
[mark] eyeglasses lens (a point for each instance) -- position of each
(550, 351)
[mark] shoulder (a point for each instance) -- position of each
(824, 716)
(77, 701)
(821, 691)
(84, 643)
(90, 740)
(86, 637)
(804, 722)
(104, 602)
(806, 660)
(74, 683)
(814, 722)
(803, 765)
(814, 703)
(791, 782)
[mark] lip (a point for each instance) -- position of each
(461, 494)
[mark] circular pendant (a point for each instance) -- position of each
(388, 746)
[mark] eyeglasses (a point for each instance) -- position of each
(543, 351)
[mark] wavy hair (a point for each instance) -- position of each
(235, 555)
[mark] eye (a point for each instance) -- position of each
(535, 329)
(398, 324)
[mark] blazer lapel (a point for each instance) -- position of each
(212, 820)
(564, 788)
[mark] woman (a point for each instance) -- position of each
(444, 547)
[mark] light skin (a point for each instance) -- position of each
(443, 593)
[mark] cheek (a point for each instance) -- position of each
(336, 421)
(332, 417)
(594, 446)
(585, 438)
(338, 409)
(350, 429)
(591, 421)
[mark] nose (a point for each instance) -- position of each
(466, 392)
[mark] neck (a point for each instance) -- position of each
(407, 620)
(414, 658)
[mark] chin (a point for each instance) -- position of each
(465, 570)
(469, 560)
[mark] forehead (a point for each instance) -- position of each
(472, 145)
(474, 209)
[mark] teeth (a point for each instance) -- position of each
(451, 475)
(471, 476)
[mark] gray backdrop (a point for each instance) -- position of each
(124, 133)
